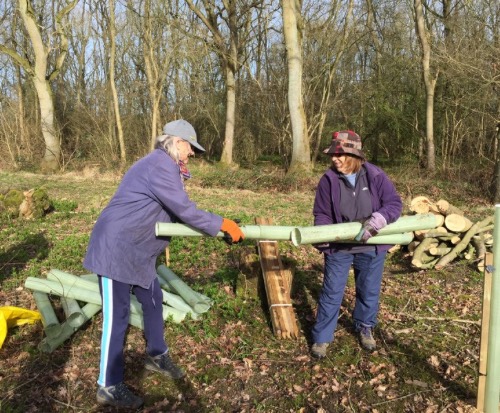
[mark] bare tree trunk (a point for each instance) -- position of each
(156, 67)
(430, 84)
(151, 71)
(38, 72)
(23, 139)
(301, 151)
(81, 89)
(112, 58)
(229, 25)
(52, 153)
(227, 152)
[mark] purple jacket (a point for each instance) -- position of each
(384, 197)
(123, 245)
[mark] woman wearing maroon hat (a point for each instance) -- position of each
(352, 190)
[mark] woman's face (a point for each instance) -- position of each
(185, 150)
(339, 163)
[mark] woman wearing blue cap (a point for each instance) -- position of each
(123, 249)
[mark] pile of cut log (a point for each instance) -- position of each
(457, 237)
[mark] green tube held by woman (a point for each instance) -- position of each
(347, 231)
(317, 234)
(264, 232)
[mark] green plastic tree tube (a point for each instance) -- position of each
(54, 287)
(394, 239)
(50, 322)
(90, 277)
(164, 284)
(74, 289)
(49, 344)
(73, 312)
(166, 287)
(136, 321)
(347, 231)
(492, 388)
(174, 300)
(203, 297)
(168, 312)
(264, 232)
(69, 279)
(169, 298)
(180, 287)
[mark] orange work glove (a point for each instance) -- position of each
(232, 230)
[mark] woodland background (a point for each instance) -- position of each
(92, 82)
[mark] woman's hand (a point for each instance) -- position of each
(232, 230)
(371, 227)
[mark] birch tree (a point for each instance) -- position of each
(112, 59)
(292, 29)
(42, 71)
(430, 78)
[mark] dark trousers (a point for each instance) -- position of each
(116, 312)
(368, 269)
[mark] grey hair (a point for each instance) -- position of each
(168, 144)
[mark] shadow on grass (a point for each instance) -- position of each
(160, 393)
(15, 258)
(414, 364)
(33, 379)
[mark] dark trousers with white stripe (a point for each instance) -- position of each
(116, 311)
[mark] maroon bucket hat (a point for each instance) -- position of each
(345, 142)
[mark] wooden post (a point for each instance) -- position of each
(277, 282)
(485, 322)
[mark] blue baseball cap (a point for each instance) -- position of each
(185, 131)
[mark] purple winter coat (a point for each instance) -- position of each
(384, 197)
(123, 245)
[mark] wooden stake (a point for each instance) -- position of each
(485, 324)
(277, 282)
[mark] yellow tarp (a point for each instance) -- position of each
(15, 316)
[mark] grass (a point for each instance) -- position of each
(425, 361)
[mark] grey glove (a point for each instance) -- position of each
(371, 227)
